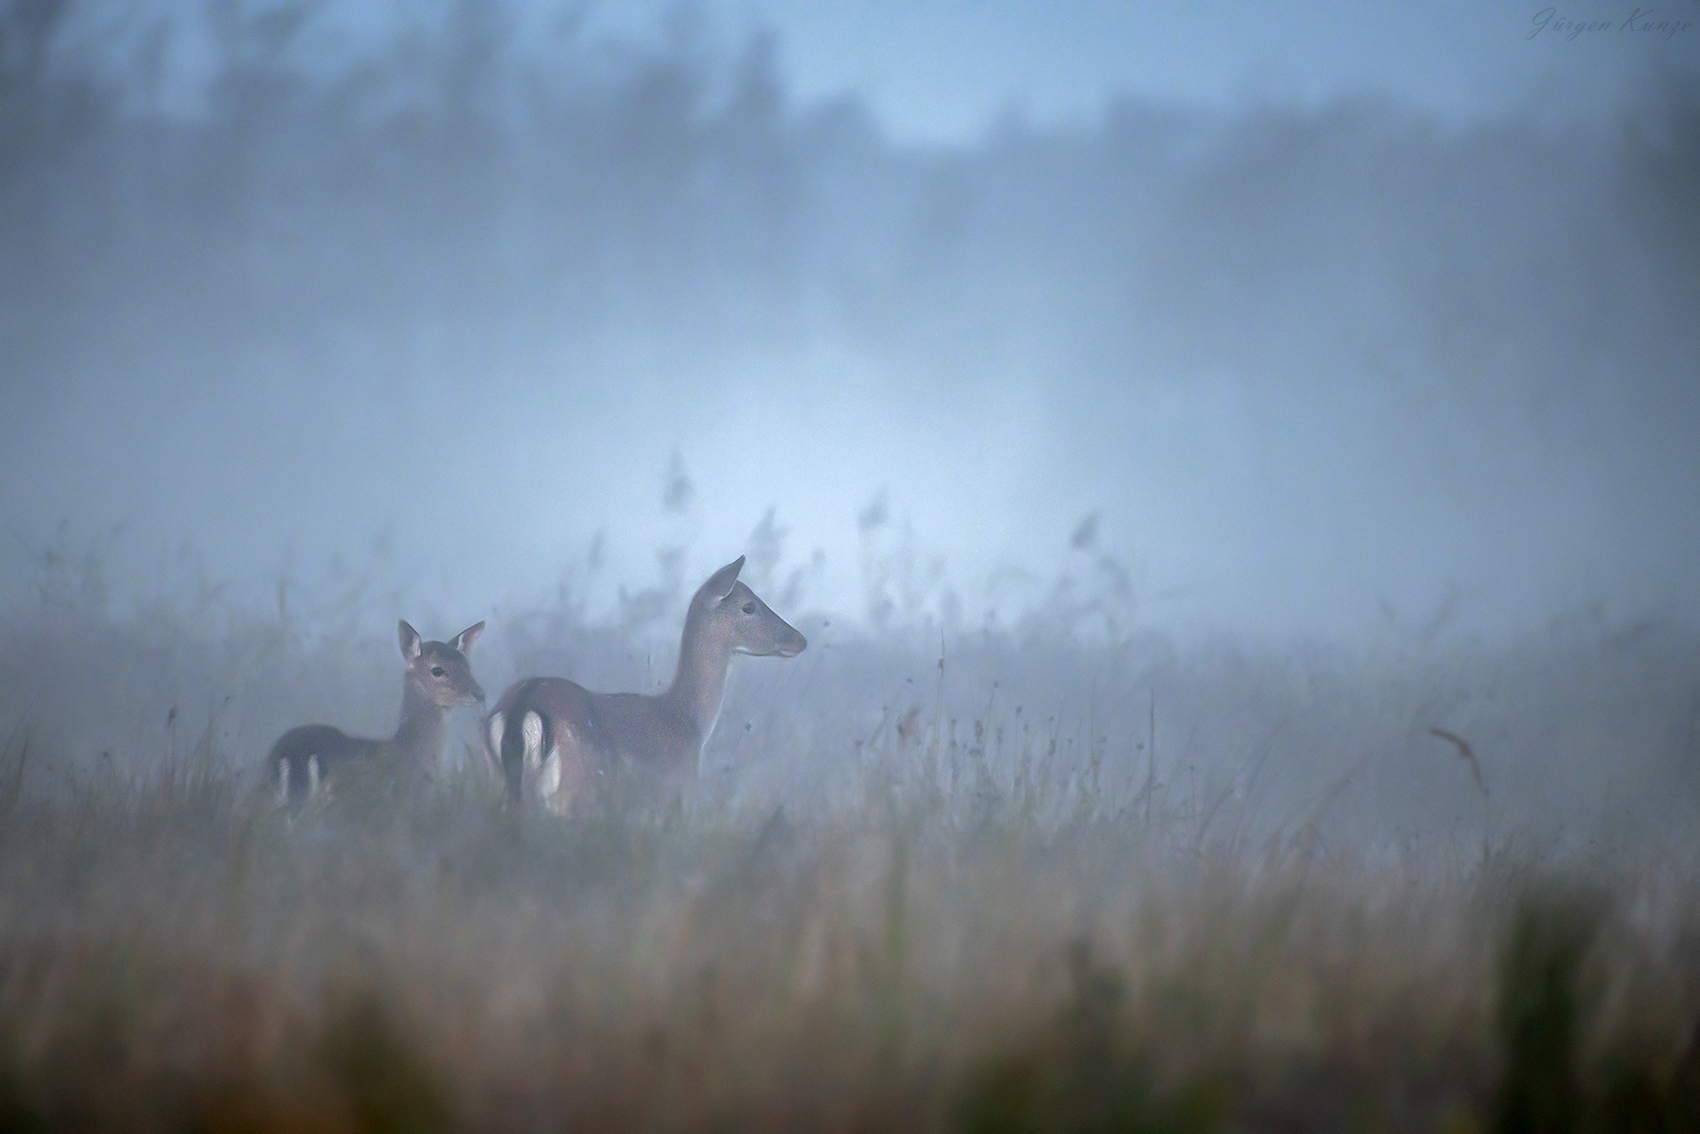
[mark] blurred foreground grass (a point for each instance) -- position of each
(176, 956)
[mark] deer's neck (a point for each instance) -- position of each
(419, 736)
(700, 682)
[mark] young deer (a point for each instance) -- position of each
(438, 678)
(559, 737)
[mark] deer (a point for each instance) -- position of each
(561, 740)
(437, 678)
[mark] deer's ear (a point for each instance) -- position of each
(463, 641)
(719, 584)
(409, 640)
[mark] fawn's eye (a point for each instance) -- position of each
(749, 608)
(436, 671)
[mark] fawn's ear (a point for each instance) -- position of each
(719, 584)
(463, 641)
(409, 640)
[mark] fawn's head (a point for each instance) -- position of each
(440, 669)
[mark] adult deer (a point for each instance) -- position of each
(559, 738)
(437, 679)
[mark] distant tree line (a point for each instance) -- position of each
(456, 170)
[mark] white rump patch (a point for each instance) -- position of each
(531, 734)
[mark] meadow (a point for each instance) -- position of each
(1053, 869)
(938, 879)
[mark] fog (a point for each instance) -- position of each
(1235, 469)
(540, 313)
(444, 303)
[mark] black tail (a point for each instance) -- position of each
(513, 740)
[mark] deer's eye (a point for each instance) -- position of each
(436, 671)
(749, 608)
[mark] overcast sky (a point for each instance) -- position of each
(947, 70)
(1334, 315)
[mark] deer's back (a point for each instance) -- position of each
(606, 730)
(327, 743)
(646, 733)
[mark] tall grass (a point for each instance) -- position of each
(996, 880)
(428, 961)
